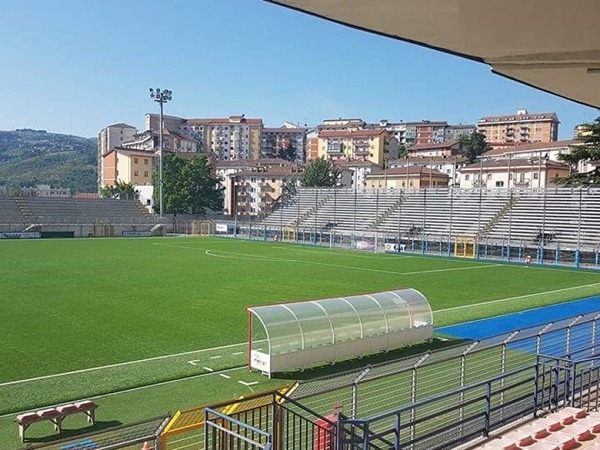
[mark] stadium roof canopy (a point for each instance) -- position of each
(553, 45)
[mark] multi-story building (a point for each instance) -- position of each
(522, 127)
(358, 145)
(127, 166)
(235, 137)
(312, 145)
(449, 165)
(286, 142)
(410, 177)
(353, 174)
(524, 173)
(455, 132)
(110, 137)
(256, 191)
(341, 124)
(445, 149)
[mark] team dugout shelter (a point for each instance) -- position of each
(288, 336)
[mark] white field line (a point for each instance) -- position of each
(242, 256)
(344, 252)
(126, 363)
(516, 298)
(139, 388)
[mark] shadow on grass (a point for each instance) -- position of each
(368, 360)
(69, 433)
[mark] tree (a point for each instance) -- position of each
(320, 173)
(288, 152)
(402, 151)
(589, 135)
(188, 186)
(119, 190)
(473, 146)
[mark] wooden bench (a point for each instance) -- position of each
(56, 415)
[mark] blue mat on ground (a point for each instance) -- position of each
(480, 329)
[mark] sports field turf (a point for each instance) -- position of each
(69, 305)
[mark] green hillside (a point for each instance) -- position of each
(29, 157)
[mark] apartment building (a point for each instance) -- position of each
(110, 137)
(521, 173)
(286, 142)
(449, 165)
(359, 145)
(518, 128)
(256, 191)
(128, 166)
(353, 174)
(442, 149)
(341, 124)
(410, 177)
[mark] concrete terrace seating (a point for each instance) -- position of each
(68, 210)
(566, 429)
(563, 217)
(305, 201)
(553, 216)
(10, 211)
(56, 415)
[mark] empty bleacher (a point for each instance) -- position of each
(10, 211)
(68, 210)
(564, 217)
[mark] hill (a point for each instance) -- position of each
(30, 157)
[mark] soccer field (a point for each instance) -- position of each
(155, 310)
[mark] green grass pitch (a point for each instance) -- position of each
(72, 305)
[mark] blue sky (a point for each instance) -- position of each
(75, 66)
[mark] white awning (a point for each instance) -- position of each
(553, 45)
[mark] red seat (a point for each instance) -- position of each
(27, 417)
(85, 405)
(66, 409)
(47, 413)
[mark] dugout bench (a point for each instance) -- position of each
(56, 415)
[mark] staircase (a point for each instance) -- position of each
(310, 212)
(382, 217)
(489, 226)
(24, 207)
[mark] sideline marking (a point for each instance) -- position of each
(518, 297)
(346, 252)
(244, 256)
(139, 388)
(126, 363)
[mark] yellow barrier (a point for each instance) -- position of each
(186, 429)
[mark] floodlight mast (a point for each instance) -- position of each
(161, 96)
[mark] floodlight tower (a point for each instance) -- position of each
(161, 96)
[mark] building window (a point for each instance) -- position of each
(500, 184)
(467, 177)
(145, 173)
(135, 173)
(145, 161)
(135, 160)
(535, 176)
(489, 176)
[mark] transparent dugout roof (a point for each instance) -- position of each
(291, 327)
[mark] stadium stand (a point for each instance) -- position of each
(554, 217)
(10, 211)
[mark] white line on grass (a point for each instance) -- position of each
(515, 298)
(243, 256)
(126, 363)
(344, 252)
(139, 388)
